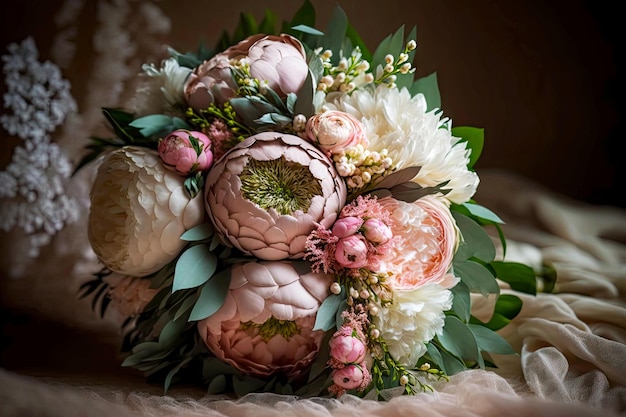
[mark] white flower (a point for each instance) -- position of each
(412, 320)
(139, 210)
(414, 137)
(162, 89)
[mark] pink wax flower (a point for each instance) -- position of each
(376, 231)
(346, 226)
(346, 348)
(186, 151)
(349, 377)
(351, 252)
(333, 131)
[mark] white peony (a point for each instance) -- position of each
(412, 320)
(413, 136)
(139, 209)
(161, 89)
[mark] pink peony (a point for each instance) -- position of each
(265, 325)
(130, 295)
(333, 131)
(348, 377)
(279, 61)
(425, 240)
(346, 226)
(376, 231)
(351, 252)
(347, 348)
(186, 151)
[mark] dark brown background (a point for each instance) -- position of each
(540, 76)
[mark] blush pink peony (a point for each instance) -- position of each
(347, 348)
(279, 61)
(425, 240)
(333, 131)
(265, 325)
(348, 377)
(351, 252)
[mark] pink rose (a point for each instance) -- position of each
(186, 151)
(425, 227)
(280, 61)
(351, 252)
(347, 349)
(348, 377)
(346, 226)
(333, 130)
(376, 231)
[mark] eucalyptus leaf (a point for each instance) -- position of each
(429, 87)
(194, 267)
(152, 124)
(519, 276)
(217, 385)
(461, 303)
(459, 340)
(307, 29)
(482, 212)
(200, 232)
(435, 355)
(451, 364)
(490, 341)
(476, 242)
(185, 306)
(212, 296)
(476, 277)
(171, 332)
(326, 319)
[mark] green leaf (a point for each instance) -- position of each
(217, 385)
(355, 38)
(268, 24)
(304, 103)
(305, 15)
(186, 305)
(450, 363)
(435, 355)
(171, 332)
(119, 121)
(475, 139)
(243, 385)
(490, 341)
(201, 232)
(461, 302)
(326, 315)
(153, 124)
(335, 33)
(476, 277)
(194, 267)
(482, 212)
(476, 242)
(174, 371)
(393, 44)
(519, 276)
(429, 87)
(212, 296)
(307, 29)
(459, 340)
(506, 309)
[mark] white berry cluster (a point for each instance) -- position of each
(360, 166)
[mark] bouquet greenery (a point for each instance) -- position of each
(289, 212)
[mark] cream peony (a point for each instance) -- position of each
(270, 191)
(414, 137)
(265, 325)
(412, 320)
(425, 240)
(139, 210)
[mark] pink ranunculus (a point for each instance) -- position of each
(351, 252)
(265, 325)
(280, 61)
(348, 377)
(425, 240)
(186, 151)
(346, 226)
(376, 231)
(335, 130)
(347, 348)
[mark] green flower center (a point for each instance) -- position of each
(272, 326)
(279, 184)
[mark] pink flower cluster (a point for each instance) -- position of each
(360, 238)
(348, 354)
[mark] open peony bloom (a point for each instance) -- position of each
(265, 325)
(270, 191)
(139, 210)
(334, 131)
(279, 61)
(186, 152)
(425, 240)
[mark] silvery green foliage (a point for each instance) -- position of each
(32, 186)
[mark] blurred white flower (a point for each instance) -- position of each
(413, 136)
(412, 320)
(161, 89)
(139, 209)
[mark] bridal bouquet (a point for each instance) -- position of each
(290, 212)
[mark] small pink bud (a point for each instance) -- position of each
(347, 348)
(348, 377)
(351, 252)
(186, 151)
(376, 231)
(346, 226)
